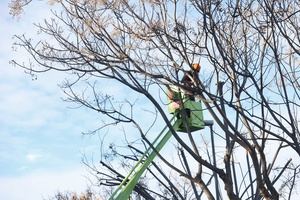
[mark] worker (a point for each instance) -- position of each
(189, 79)
(174, 98)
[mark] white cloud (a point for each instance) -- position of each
(39, 185)
(32, 157)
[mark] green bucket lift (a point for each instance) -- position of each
(190, 113)
(188, 118)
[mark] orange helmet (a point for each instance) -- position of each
(196, 67)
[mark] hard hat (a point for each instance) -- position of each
(196, 67)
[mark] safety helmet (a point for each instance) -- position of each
(196, 67)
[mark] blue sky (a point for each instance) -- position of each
(41, 145)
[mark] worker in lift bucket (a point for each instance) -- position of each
(188, 80)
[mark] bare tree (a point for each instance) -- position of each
(87, 195)
(249, 86)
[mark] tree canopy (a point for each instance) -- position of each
(248, 84)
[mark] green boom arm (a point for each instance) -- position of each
(126, 187)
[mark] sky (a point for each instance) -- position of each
(41, 145)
